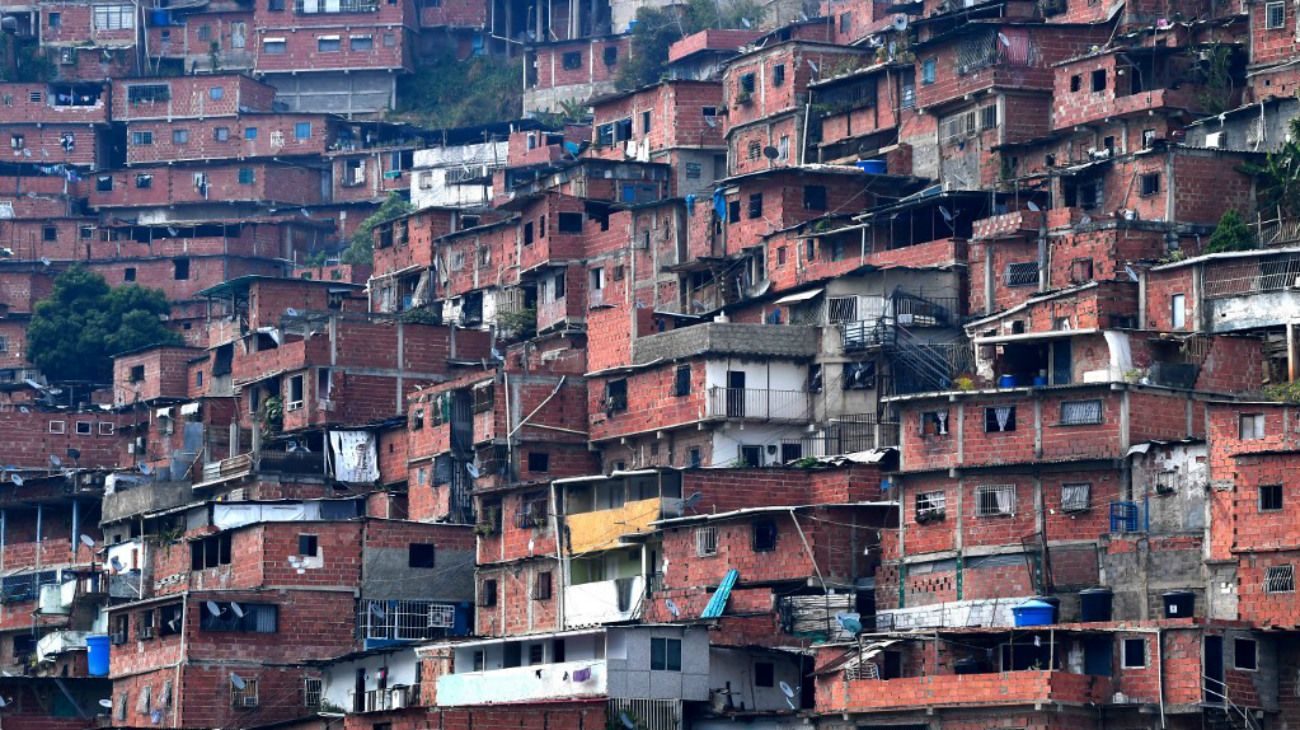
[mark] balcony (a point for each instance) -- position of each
(605, 601)
(1017, 224)
(383, 700)
(226, 470)
(60, 642)
(1252, 292)
(758, 404)
(728, 338)
(523, 684)
(1030, 687)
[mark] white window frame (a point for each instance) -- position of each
(1178, 311)
(1123, 654)
(1251, 427)
(1279, 579)
(114, 16)
(706, 541)
(1269, 9)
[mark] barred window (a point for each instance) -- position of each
(996, 500)
(245, 696)
(1076, 497)
(706, 541)
(930, 506)
(482, 398)
(1280, 579)
(1078, 412)
(311, 693)
(1270, 497)
(1024, 273)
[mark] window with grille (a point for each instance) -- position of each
(257, 618)
(1079, 412)
(1076, 497)
(1270, 498)
(1150, 183)
(841, 309)
(1023, 273)
(930, 506)
(542, 586)
(706, 541)
(1275, 16)
(1280, 579)
(115, 17)
(311, 693)
(402, 620)
(996, 500)
(532, 513)
(245, 696)
(482, 398)
(999, 419)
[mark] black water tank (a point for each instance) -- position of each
(1179, 604)
(1095, 605)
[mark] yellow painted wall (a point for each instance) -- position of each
(600, 530)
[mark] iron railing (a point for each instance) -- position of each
(760, 404)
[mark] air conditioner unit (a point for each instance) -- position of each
(1214, 140)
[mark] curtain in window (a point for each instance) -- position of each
(1003, 414)
(1004, 498)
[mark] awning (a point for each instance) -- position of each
(802, 296)
(853, 658)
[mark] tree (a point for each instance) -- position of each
(658, 28)
(77, 329)
(1232, 234)
(361, 248)
(1278, 178)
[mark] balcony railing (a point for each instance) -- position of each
(857, 433)
(520, 684)
(760, 404)
(314, 7)
(383, 700)
(234, 466)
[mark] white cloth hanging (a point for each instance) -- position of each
(355, 457)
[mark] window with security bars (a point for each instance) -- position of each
(1078, 412)
(311, 693)
(532, 513)
(706, 541)
(400, 620)
(1076, 497)
(930, 506)
(1023, 273)
(1280, 579)
(842, 309)
(482, 398)
(992, 501)
(245, 696)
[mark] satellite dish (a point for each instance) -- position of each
(4, 702)
(1004, 40)
(55, 460)
(748, 24)
(671, 605)
(238, 681)
(378, 611)
(1132, 275)
(473, 471)
(691, 501)
(900, 22)
(1033, 206)
(305, 213)
(1085, 220)
(174, 624)
(24, 409)
(237, 609)
(155, 716)
(947, 214)
(786, 690)
(17, 480)
(172, 231)
(45, 260)
(145, 469)
(117, 564)
(850, 622)
(812, 65)
(712, 121)
(291, 312)
(771, 152)
(623, 717)
(88, 541)
(106, 704)
(213, 608)
(74, 454)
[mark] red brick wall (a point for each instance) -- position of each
(193, 96)
(275, 137)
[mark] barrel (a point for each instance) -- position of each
(97, 655)
(1007, 381)
(159, 17)
(1095, 605)
(1034, 613)
(1179, 604)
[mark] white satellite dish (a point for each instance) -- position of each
(748, 24)
(145, 469)
(850, 622)
(117, 564)
(947, 214)
(671, 605)
(786, 690)
(17, 480)
(4, 702)
(55, 460)
(237, 609)
(900, 22)
(238, 681)
(291, 312)
(213, 608)
(1004, 40)
(378, 611)
(1033, 206)
(106, 704)
(627, 721)
(473, 471)
(1132, 275)
(87, 540)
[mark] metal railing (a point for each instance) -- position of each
(849, 435)
(760, 404)
(1216, 688)
(1252, 277)
(383, 700)
(313, 7)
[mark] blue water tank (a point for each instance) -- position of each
(159, 17)
(97, 648)
(1034, 613)
(1007, 381)
(873, 167)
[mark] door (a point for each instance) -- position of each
(735, 394)
(1214, 687)
(1062, 362)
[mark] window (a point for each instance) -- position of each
(1178, 311)
(814, 197)
(539, 461)
(1270, 498)
(927, 71)
(420, 555)
(169, 620)
(205, 33)
(216, 93)
(302, 130)
(706, 541)
(764, 536)
(665, 655)
(569, 222)
(148, 93)
(694, 457)
(489, 594)
(483, 398)
(390, 40)
(528, 233)
(1135, 653)
(1076, 82)
(682, 381)
(1080, 271)
(144, 624)
(308, 545)
(1099, 80)
(274, 46)
(114, 17)
(751, 455)
(999, 419)
(1079, 412)
(733, 211)
(128, 274)
(49, 233)
(778, 74)
(846, 22)
(1245, 654)
(4, 344)
(1274, 15)
(1148, 138)
(572, 60)
(106, 428)
(311, 692)
(1076, 497)
(121, 625)
(245, 696)
(992, 501)
(930, 506)
(1280, 579)
(250, 133)
(54, 20)
(210, 552)
(623, 130)
(1023, 273)
(755, 205)
(180, 136)
(104, 184)
(764, 674)
(1151, 183)
(934, 423)
(362, 43)
(85, 428)
(57, 427)
(542, 586)
(329, 44)
(247, 176)
(645, 122)
(605, 134)
(141, 139)
(1251, 426)
(610, 55)
(746, 85)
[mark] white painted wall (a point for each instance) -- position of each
(338, 681)
(429, 174)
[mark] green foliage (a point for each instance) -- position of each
(420, 315)
(448, 92)
(518, 324)
(1232, 234)
(361, 248)
(570, 111)
(1215, 74)
(1278, 178)
(270, 417)
(1284, 392)
(658, 28)
(31, 64)
(75, 331)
